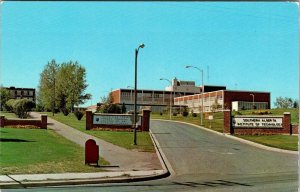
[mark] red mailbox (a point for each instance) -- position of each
(91, 152)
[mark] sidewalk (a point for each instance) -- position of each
(117, 156)
(125, 165)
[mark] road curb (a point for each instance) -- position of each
(162, 157)
(156, 174)
(120, 179)
(237, 138)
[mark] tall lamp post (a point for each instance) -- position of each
(170, 96)
(252, 100)
(135, 91)
(202, 90)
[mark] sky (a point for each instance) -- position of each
(244, 46)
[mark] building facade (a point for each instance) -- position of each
(22, 93)
(158, 100)
(225, 99)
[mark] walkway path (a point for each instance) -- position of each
(117, 156)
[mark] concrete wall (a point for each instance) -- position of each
(145, 123)
(24, 122)
(287, 128)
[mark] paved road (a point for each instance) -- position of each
(203, 161)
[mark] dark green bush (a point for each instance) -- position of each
(65, 111)
(174, 114)
(185, 113)
(194, 114)
(78, 114)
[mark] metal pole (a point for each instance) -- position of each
(170, 95)
(202, 99)
(135, 93)
(252, 100)
(170, 105)
(135, 96)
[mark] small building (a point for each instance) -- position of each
(22, 93)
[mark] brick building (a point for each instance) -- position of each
(186, 93)
(21, 93)
(226, 99)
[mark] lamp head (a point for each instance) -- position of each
(161, 79)
(188, 66)
(142, 45)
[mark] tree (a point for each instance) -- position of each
(215, 106)
(4, 96)
(71, 84)
(108, 106)
(283, 102)
(296, 104)
(62, 86)
(47, 87)
(123, 108)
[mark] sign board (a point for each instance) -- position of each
(114, 119)
(257, 122)
(210, 117)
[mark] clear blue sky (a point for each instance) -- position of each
(247, 46)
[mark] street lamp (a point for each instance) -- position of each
(252, 100)
(135, 91)
(202, 90)
(170, 96)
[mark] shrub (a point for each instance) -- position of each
(78, 114)
(174, 114)
(185, 112)
(65, 111)
(161, 113)
(10, 105)
(262, 112)
(22, 107)
(194, 114)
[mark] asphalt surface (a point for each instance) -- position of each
(204, 161)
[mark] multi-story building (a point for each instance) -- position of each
(186, 93)
(157, 99)
(225, 99)
(21, 93)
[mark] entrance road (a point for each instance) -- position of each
(205, 161)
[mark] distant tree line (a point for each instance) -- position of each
(108, 106)
(286, 102)
(62, 87)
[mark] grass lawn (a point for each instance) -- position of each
(216, 124)
(278, 141)
(120, 138)
(40, 151)
(8, 114)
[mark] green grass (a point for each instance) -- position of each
(8, 114)
(217, 123)
(120, 138)
(279, 141)
(40, 151)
